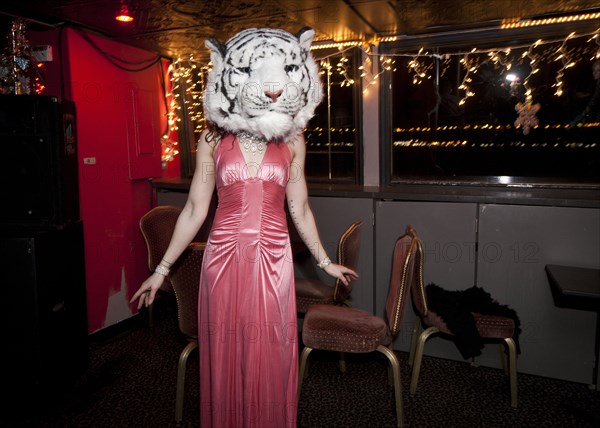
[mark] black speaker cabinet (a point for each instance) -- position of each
(43, 318)
(39, 172)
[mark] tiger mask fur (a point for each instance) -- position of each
(263, 81)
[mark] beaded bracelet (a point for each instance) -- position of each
(162, 270)
(324, 263)
(166, 263)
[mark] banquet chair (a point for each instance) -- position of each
(157, 227)
(311, 291)
(489, 327)
(185, 279)
(351, 330)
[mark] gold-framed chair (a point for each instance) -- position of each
(157, 227)
(310, 291)
(351, 330)
(489, 327)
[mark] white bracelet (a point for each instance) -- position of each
(324, 263)
(162, 270)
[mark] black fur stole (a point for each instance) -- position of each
(455, 308)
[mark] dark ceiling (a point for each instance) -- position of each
(179, 27)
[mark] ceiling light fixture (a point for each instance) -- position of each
(124, 15)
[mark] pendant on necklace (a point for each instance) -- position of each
(251, 143)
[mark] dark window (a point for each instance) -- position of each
(454, 113)
(332, 136)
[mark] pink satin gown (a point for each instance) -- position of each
(247, 307)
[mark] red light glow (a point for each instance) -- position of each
(124, 16)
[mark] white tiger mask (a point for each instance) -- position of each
(263, 81)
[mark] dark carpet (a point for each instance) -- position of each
(130, 382)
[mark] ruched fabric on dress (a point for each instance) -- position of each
(247, 309)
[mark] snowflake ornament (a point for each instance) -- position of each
(527, 115)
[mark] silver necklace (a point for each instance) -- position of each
(251, 143)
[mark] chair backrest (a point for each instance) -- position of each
(347, 255)
(157, 227)
(185, 278)
(417, 289)
(407, 272)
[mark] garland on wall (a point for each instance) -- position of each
(187, 84)
(20, 73)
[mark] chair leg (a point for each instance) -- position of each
(414, 378)
(413, 340)
(303, 361)
(151, 315)
(395, 365)
(342, 362)
(512, 360)
(181, 366)
(503, 359)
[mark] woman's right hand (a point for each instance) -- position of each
(147, 290)
(340, 272)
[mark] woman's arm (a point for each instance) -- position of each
(189, 222)
(302, 216)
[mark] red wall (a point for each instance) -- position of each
(120, 119)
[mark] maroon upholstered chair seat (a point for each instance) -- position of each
(311, 291)
(344, 329)
(494, 326)
(488, 326)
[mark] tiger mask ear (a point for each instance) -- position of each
(217, 51)
(305, 37)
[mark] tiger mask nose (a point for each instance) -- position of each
(274, 95)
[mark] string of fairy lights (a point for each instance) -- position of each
(564, 56)
(187, 76)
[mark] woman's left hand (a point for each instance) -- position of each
(340, 272)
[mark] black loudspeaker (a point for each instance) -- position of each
(43, 318)
(39, 147)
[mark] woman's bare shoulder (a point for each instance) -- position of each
(297, 145)
(207, 144)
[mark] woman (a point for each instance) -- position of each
(247, 309)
